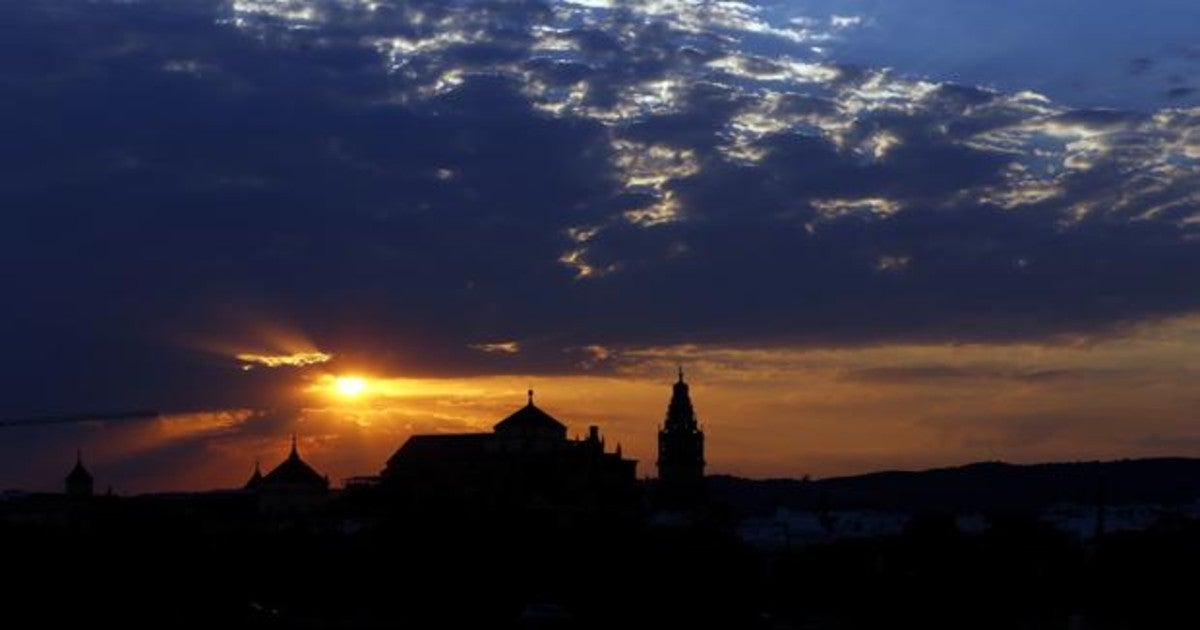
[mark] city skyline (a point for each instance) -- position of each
(876, 236)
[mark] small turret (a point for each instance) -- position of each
(79, 480)
(255, 478)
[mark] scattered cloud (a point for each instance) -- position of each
(498, 347)
(529, 163)
(399, 179)
(251, 360)
(892, 264)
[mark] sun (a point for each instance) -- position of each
(350, 386)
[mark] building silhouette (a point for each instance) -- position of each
(526, 464)
(79, 480)
(680, 453)
(291, 487)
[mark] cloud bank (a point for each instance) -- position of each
(478, 187)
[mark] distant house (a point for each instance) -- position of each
(525, 463)
(797, 528)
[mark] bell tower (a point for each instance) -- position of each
(680, 453)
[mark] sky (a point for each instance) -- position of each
(876, 235)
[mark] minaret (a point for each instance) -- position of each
(680, 453)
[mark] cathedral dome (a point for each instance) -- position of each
(530, 420)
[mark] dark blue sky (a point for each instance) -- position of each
(1134, 55)
(400, 184)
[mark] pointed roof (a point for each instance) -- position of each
(680, 414)
(79, 474)
(294, 472)
(530, 418)
(255, 479)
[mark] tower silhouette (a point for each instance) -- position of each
(680, 453)
(79, 480)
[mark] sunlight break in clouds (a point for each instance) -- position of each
(823, 412)
(868, 113)
(769, 412)
(298, 359)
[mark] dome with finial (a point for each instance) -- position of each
(294, 472)
(530, 420)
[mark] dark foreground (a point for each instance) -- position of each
(184, 570)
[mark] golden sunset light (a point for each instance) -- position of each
(296, 359)
(864, 331)
(350, 386)
(596, 313)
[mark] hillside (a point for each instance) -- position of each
(984, 487)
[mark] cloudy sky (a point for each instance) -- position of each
(877, 234)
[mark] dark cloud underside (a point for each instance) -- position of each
(423, 177)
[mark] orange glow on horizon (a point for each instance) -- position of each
(766, 412)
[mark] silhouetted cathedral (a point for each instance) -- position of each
(680, 453)
(525, 464)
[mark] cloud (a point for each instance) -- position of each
(934, 373)
(767, 411)
(399, 180)
(250, 360)
(498, 347)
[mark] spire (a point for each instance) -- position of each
(680, 414)
(530, 392)
(79, 457)
(295, 452)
